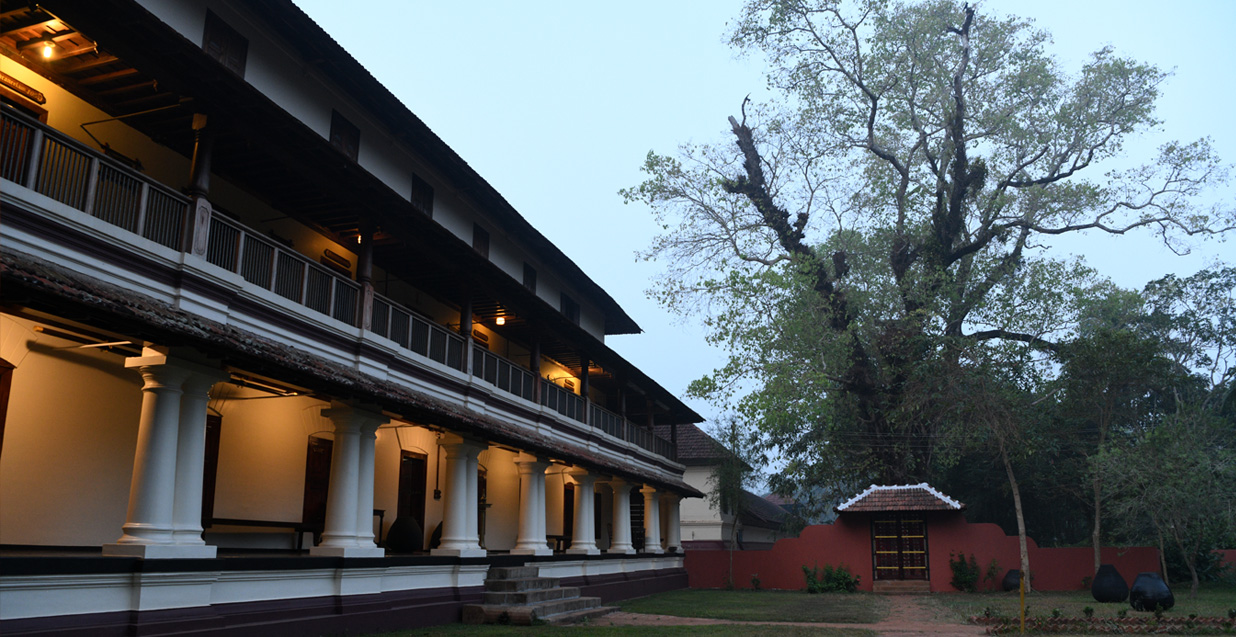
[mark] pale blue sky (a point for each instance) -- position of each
(556, 104)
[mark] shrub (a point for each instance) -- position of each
(965, 573)
(994, 574)
(829, 579)
(755, 582)
(1088, 611)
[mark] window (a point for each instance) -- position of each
(480, 240)
(344, 135)
(225, 44)
(570, 308)
(529, 277)
(422, 195)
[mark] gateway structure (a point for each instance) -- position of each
(274, 355)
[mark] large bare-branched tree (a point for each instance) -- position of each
(888, 212)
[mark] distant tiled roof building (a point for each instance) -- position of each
(904, 497)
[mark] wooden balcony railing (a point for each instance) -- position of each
(57, 166)
(285, 272)
(416, 333)
(619, 427)
(53, 164)
(502, 373)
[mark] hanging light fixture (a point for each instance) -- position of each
(47, 49)
(501, 320)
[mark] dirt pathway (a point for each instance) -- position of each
(907, 615)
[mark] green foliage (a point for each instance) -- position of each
(1088, 612)
(830, 579)
(755, 582)
(965, 573)
(887, 216)
(994, 574)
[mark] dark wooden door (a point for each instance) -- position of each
(413, 469)
(210, 466)
(899, 547)
(317, 481)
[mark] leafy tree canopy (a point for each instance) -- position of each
(889, 211)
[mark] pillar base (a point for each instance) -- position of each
(629, 550)
(162, 551)
(584, 551)
(346, 551)
(537, 551)
(460, 552)
(658, 551)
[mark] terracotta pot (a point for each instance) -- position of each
(1109, 586)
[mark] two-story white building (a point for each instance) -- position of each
(256, 316)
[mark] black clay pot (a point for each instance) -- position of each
(405, 536)
(1012, 580)
(1149, 591)
(1109, 587)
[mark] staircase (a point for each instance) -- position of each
(901, 587)
(518, 595)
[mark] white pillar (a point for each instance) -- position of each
(622, 517)
(152, 492)
(673, 525)
(457, 498)
(531, 539)
(344, 500)
(584, 538)
(474, 497)
(165, 498)
(364, 498)
(652, 520)
(541, 531)
(191, 460)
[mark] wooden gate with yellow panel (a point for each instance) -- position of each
(899, 547)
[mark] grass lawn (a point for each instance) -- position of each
(1213, 600)
(781, 606)
(724, 630)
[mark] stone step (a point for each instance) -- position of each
(530, 596)
(901, 587)
(528, 614)
(575, 617)
(520, 584)
(512, 572)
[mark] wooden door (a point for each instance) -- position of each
(899, 547)
(413, 470)
(317, 482)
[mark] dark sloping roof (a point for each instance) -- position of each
(695, 447)
(757, 511)
(902, 497)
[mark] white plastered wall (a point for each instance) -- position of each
(263, 444)
(69, 440)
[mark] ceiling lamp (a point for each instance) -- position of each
(47, 49)
(501, 320)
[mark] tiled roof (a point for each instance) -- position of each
(903, 497)
(780, 500)
(54, 288)
(694, 446)
(757, 511)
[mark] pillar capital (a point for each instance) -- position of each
(362, 418)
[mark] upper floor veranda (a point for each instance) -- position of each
(266, 181)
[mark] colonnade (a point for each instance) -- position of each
(163, 519)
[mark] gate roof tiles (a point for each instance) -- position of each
(902, 497)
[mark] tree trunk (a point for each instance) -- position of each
(1162, 553)
(1190, 559)
(1095, 534)
(1021, 519)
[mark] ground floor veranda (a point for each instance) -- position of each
(157, 491)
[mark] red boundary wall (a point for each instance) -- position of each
(848, 541)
